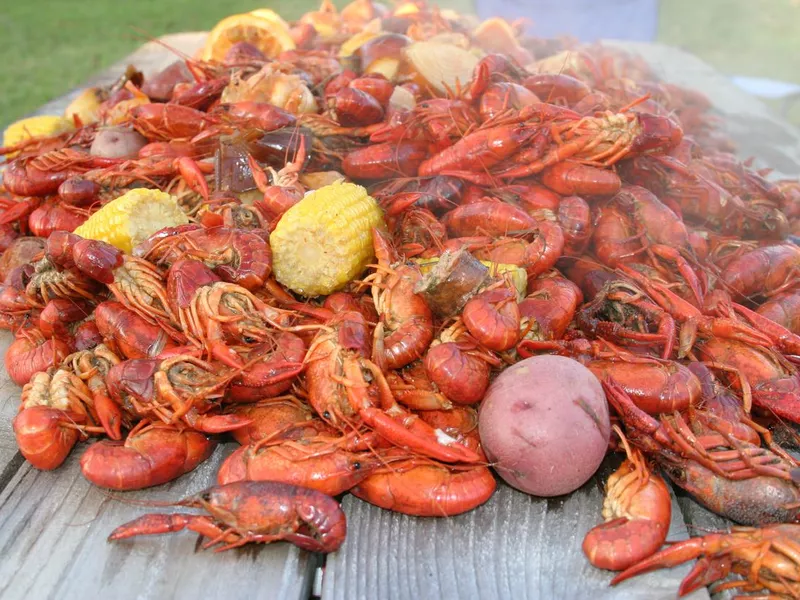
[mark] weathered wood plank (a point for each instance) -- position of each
(53, 529)
(514, 546)
(10, 460)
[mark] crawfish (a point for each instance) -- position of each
(280, 417)
(240, 257)
(783, 309)
(656, 385)
(693, 321)
(56, 409)
(637, 510)
(637, 213)
(92, 366)
(152, 454)
(405, 329)
(417, 232)
(225, 310)
(767, 557)
(458, 366)
(252, 511)
(427, 488)
(549, 307)
(575, 219)
(742, 481)
(493, 317)
(59, 316)
(763, 271)
(272, 368)
(281, 190)
(536, 250)
(620, 314)
(569, 178)
(42, 174)
(479, 150)
(602, 140)
(130, 333)
(180, 388)
(320, 463)
(774, 383)
(342, 384)
(47, 282)
(32, 353)
(384, 161)
(413, 389)
(136, 283)
(169, 121)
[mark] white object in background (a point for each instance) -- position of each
(771, 89)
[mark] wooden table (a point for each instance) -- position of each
(53, 525)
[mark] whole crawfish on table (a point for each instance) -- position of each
(152, 454)
(252, 511)
(637, 510)
(766, 557)
(56, 410)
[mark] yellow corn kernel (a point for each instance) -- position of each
(325, 240)
(133, 217)
(36, 127)
(517, 274)
(87, 105)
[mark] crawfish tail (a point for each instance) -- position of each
(622, 543)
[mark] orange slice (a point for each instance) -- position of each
(262, 28)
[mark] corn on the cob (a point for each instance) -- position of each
(325, 240)
(87, 105)
(36, 127)
(131, 218)
(517, 274)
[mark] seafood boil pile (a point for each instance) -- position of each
(325, 239)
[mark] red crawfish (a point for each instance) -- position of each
(637, 510)
(251, 511)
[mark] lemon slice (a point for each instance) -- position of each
(262, 28)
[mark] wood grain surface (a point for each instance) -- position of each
(514, 546)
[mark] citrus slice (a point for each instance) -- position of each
(269, 15)
(262, 28)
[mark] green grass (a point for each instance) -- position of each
(756, 38)
(51, 46)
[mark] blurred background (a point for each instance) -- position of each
(52, 46)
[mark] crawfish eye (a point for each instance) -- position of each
(205, 496)
(326, 415)
(356, 466)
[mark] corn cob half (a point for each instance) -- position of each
(325, 240)
(130, 219)
(36, 127)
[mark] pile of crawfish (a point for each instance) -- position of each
(651, 254)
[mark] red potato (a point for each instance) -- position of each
(117, 142)
(544, 425)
